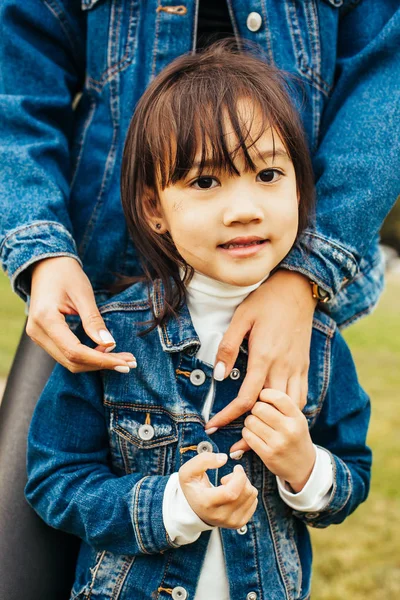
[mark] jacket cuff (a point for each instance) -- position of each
(316, 493)
(147, 517)
(322, 260)
(341, 494)
(28, 244)
(183, 525)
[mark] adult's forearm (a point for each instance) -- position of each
(357, 164)
(40, 77)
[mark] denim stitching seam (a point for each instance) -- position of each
(58, 13)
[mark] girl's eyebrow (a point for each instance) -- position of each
(280, 152)
(272, 153)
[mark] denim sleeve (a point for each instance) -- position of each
(358, 159)
(70, 483)
(341, 429)
(42, 55)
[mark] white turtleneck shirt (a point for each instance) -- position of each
(211, 305)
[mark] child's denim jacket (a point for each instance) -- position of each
(102, 446)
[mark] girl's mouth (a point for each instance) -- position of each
(242, 247)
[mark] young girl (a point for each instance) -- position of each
(216, 186)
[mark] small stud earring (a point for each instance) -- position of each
(158, 225)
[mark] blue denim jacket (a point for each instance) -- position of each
(92, 473)
(61, 159)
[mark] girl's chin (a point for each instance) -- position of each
(233, 277)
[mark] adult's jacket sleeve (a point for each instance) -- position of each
(42, 56)
(357, 163)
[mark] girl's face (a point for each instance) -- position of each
(235, 228)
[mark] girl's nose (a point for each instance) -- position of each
(242, 210)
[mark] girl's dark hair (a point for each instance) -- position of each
(182, 111)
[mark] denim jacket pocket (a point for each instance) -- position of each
(141, 440)
(324, 328)
(111, 35)
(105, 578)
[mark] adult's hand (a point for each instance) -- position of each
(60, 287)
(277, 317)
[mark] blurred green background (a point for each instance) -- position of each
(359, 559)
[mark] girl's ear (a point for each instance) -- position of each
(153, 213)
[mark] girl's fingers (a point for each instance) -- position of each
(268, 414)
(233, 489)
(260, 429)
(255, 443)
(198, 465)
(281, 401)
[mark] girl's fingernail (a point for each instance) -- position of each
(106, 336)
(132, 364)
(209, 431)
(237, 455)
(110, 348)
(122, 369)
(219, 371)
(221, 457)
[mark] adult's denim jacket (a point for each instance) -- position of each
(60, 158)
(95, 471)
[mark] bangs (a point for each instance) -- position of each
(184, 135)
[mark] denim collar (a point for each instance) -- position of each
(178, 333)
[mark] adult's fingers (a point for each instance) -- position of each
(228, 348)
(303, 390)
(294, 389)
(67, 349)
(92, 321)
(248, 394)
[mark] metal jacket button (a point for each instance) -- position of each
(146, 432)
(234, 374)
(251, 596)
(204, 447)
(179, 593)
(197, 377)
(242, 530)
(254, 22)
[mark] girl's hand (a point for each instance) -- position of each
(278, 320)
(60, 287)
(229, 505)
(278, 432)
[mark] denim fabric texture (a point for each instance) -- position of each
(92, 473)
(61, 160)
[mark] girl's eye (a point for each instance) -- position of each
(204, 183)
(269, 175)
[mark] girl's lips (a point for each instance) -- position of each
(243, 251)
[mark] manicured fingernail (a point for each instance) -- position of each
(132, 364)
(122, 369)
(110, 348)
(106, 336)
(209, 431)
(237, 455)
(219, 371)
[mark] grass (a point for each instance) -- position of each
(12, 319)
(361, 558)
